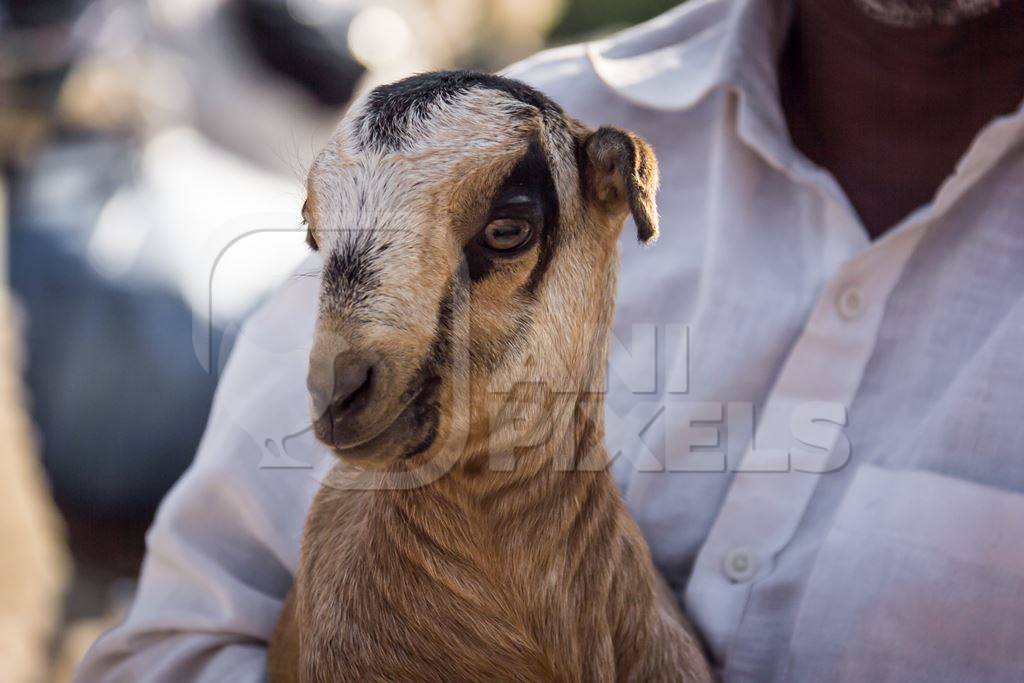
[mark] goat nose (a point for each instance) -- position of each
(345, 386)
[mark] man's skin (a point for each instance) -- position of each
(890, 110)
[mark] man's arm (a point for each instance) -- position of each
(215, 574)
(225, 543)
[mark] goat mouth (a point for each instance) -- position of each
(412, 430)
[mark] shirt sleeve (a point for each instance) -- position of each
(216, 572)
(225, 543)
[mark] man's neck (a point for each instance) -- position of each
(889, 111)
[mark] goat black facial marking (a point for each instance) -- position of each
(530, 179)
(425, 386)
(390, 108)
(534, 170)
(349, 274)
(427, 413)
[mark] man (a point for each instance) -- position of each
(842, 236)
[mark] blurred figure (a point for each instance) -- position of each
(33, 563)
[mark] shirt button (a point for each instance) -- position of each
(850, 302)
(740, 565)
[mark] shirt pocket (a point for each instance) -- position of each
(920, 578)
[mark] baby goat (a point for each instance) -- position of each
(470, 230)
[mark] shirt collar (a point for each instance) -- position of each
(673, 61)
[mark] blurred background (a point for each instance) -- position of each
(134, 135)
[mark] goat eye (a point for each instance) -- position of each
(506, 234)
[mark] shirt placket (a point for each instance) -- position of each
(768, 496)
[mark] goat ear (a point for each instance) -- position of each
(620, 173)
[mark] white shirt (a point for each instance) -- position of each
(884, 377)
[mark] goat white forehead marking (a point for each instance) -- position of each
(354, 184)
(478, 124)
(479, 116)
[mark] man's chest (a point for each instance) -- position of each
(770, 365)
